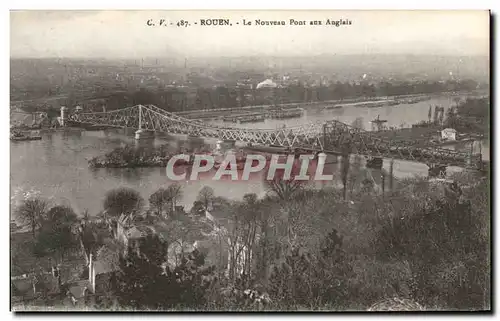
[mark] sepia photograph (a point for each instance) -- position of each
(250, 160)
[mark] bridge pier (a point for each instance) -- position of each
(321, 156)
(144, 134)
(62, 119)
(437, 171)
(225, 144)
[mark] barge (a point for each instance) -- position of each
(281, 113)
(25, 138)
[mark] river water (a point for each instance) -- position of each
(57, 167)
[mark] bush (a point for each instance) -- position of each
(446, 253)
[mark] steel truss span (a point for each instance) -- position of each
(330, 136)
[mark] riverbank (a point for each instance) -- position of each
(411, 98)
(384, 102)
(430, 136)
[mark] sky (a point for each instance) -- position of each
(125, 34)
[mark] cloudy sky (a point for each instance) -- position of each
(124, 34)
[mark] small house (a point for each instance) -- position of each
(100, 274)
(449, 134)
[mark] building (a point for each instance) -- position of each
(100, 274)
(449, 134)
(128, 233)
(99, 282)
(268, 83)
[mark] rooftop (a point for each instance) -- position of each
(103, 267)
(77, 289)
(137, 232)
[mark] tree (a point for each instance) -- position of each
(92, 235)
(144, 282)
(59, 215)
(31, 212)
(88, 239)
(446, 242)
(122, 201)
(174, 193)
(252, 213)
(140, 281)
(239, 235)
(206, 196)
(451, 117)
(345, 165)
(57, 234)
(339, 92)
(198, 208)
(158, 199)
(284, 188)
(181, 231)
(313, 277)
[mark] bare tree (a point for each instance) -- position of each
(284, 188)
(181, 231)
(158, 200)
(31, 212)
(174, 193)
(206, 196)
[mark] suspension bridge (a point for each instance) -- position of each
(329, 136)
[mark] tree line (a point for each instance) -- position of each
(222, 96)
(296, 248)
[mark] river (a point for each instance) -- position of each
(56, 166)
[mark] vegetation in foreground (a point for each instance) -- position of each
(299, 249)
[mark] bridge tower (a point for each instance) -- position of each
(378, 124)
(62, 119)
(141, 133)
(321, 158)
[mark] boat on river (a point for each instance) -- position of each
(281, 113)
(334, 107)
(25, 138)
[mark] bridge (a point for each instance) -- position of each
(329, 136)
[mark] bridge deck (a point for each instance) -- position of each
(331, 135)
